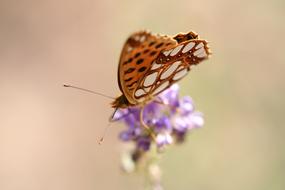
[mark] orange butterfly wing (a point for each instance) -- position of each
(172, 65)
(149, 63)
(138, 54)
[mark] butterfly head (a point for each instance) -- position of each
(121, 102)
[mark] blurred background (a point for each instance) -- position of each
(48, 134)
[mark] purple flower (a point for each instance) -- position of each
(186, 105)
(168, 117)
(163, 139)
(170, 96)
(143, 143)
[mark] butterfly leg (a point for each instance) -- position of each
(151, 133)
(111, 118)
(158, 100)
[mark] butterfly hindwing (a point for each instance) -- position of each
(138, 54)
(171, 65)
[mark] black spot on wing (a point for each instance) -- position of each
(130, 70)
(129, 79)
(139, 61)
(146, 51)
(151, 44)
(142, 69)
(153, 53)
(130, 85)
(159, 45)
(128, 61)
(137, 54)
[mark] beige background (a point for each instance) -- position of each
(48, 134)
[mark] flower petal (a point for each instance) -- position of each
(186, 105)
(120, 114)
(143, 143)
(163, 139)
(195, 120)
(179, 123)
(170, 96)
(163, 124)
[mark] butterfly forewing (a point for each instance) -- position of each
(139, 53)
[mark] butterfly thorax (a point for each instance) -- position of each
(122, 102)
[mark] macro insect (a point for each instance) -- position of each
(151, 63)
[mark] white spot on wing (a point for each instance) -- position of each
(129, 48)
(197, 52)
(166, 53)
(150, 79)
(139, 92)
(180, 74)
(142, 39)
(155, 66)
(188, 47)
(199, 45)
(176, 50)
(203, 54)
(161, 87)
(170, 70)
(147, 89)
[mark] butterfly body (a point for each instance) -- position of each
(150, 63)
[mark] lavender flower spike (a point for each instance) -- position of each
(169, 120)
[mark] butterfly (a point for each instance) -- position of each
(149, 64)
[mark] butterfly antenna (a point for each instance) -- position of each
(86, 90)
(100, 141)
